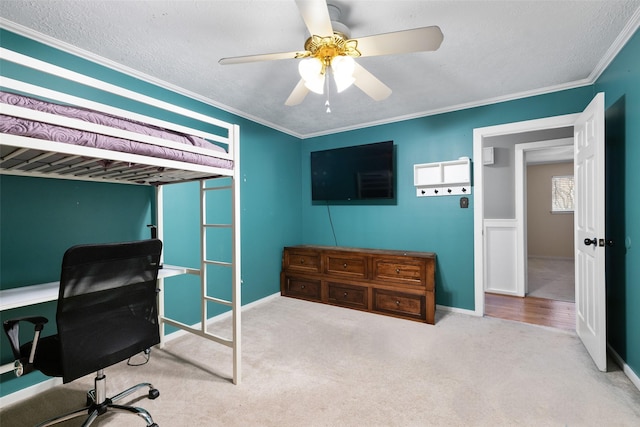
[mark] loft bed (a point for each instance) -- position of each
(50, 134)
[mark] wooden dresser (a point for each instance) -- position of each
(395, 283)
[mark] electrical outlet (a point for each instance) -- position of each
(464, 202)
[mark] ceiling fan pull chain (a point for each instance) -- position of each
(326, 103)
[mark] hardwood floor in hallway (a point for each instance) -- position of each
(538, 311)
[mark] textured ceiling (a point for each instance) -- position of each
(492, 51)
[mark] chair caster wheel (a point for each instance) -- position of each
(154, 393)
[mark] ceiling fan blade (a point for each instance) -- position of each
(316, 17)
(298, 94)
(262, 57)
(416, 40)
(370, 84)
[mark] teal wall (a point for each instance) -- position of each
(621, 85)
(434, 224)
(276, 206)
(40, 218)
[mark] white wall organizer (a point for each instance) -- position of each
(443, 178)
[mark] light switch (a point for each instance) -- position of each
(464, 202)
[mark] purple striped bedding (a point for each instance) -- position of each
(29, 128)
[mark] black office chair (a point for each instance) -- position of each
(107, 313)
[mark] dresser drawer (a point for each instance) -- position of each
(346, 265)
(399, 304)
(348, 295)
(302, 288)
(400, 270)
(303, 260)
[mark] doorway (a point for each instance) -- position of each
(549, 224)
(544, 289)
(502, 235)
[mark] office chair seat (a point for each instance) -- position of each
(87, 345)
(47, 358)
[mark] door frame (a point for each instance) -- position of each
(479, 134)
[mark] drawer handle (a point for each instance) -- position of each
(345, 294)
(397, 270)
(397, 303)
(344, 265)
(302, 261)
(302, 287)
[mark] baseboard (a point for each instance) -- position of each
(501, 292)
(28, 392)
(633, 377)
(456, 310)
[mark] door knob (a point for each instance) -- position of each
(593, 242)
(609, 242)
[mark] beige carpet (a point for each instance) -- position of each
(307, 364)
(551, 278)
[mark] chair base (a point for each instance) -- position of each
(98, 404)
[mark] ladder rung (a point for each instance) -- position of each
(218, 339)
(222, 263)
(218, 300)
(218, 225)
(198, 331)
(226, 187)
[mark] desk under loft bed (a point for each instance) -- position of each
(50, 134)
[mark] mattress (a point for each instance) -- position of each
(29, 128)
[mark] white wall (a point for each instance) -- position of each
(548, 234)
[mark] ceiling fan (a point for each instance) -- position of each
(330, 48)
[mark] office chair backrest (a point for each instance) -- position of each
(107, 306)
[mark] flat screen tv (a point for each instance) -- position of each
(357, 173)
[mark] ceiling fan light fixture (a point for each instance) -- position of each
(310, 68)
(316, 85)
(343, 68)
(343, 83)
(311, 71)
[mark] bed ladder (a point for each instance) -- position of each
(234, 265)
(234, 303)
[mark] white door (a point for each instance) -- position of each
(589, 231)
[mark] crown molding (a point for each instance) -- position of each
(625, 35)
